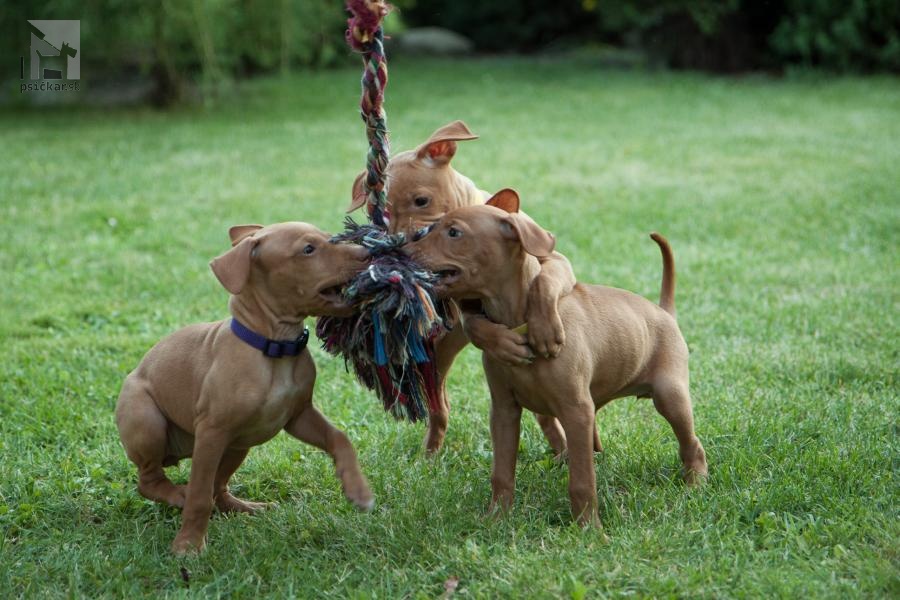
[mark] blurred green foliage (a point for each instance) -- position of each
(718, 35)
(845, 35)
(212, 40)
(501, 25)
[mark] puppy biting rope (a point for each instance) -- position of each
(390, 340)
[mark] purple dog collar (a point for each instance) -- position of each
(270, 348)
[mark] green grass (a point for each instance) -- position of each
(781, 199)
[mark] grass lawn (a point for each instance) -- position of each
(781, 199)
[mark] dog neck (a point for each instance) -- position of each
(257, 315)
(507, 300)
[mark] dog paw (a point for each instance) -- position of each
(510, 348)
(434, 441)
(360, 496)
(185, 545)
(591, 521)
(546, 334)
(437, 430)
(227, 503)
(694, 479)
(493, 514)
(499, 342)
(561, 457)
(365, 505)
(499, 507)
(179, 496)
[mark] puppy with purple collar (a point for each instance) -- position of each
(212, 391)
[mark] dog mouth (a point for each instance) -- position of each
(446, 276)
(333, 293)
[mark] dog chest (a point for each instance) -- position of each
(529, 386)
(280, 401)
(268, 410)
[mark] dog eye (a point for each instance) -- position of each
(454, 232)
(421, 201)
(309, 249)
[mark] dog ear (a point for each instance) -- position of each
(358, 195)
(535, 240)
(506, 199)
(232, 269)
(441, 146)
(239, 232)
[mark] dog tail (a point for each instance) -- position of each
(667, 291)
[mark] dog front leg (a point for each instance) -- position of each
(446, 350)
(498, 342)
(578, 422)
(312, 427)
(209, 447)
(546, 334)
(598, 446)
(506, 418)
(554, 433)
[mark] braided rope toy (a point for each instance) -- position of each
(364, 34)
(389, 341)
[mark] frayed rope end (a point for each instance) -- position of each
(388, 342)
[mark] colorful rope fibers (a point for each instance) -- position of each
(389, 341)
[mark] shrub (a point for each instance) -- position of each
(840, 34)
(719, 35)
(502, 25)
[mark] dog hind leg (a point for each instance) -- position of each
(673, 401)
(225, 502)
(142, 429)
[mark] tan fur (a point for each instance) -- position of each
(618, 344)
(203, 393)
(421, 187)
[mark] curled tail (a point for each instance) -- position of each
(667, 291)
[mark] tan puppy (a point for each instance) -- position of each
(205, 393)
(618, 343)
(421, 187)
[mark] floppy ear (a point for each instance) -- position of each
(232, 269)
(441, 146)
(239, 232)
(535, 240)
(358, 195)
(506, 199)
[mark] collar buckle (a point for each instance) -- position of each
(273, 349)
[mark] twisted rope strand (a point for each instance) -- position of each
(365, 35)
(389, 342)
